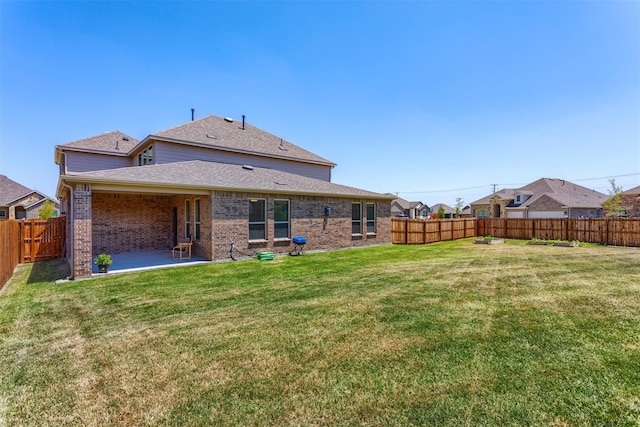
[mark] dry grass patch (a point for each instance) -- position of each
(444, 334)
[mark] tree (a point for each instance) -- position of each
(614, 206)
(441, 212)
(48, 210)
(459, 206)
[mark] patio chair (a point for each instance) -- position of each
(182, 250)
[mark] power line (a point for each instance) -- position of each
(494, 186)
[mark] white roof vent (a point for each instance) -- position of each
(228, 119)
(247, 167)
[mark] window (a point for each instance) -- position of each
(146, 157)
(257, 219)
(356, 218)
(371, 218)
(187, 219)
(281, 219)
(3, 213)
(196, 219)
(482, 213)
(518, 198)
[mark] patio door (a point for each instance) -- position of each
(174, 225)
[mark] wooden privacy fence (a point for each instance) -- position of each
(9, 248)
(407, 231)
(605, 231)
(42, 239)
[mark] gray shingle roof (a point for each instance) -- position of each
(220, 133)
(198, 174)
(563, 191)
(447, 209)
(11, 190)
(634, 190)
(114, 142)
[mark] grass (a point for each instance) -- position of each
(444, 334)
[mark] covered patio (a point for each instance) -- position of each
(151, 260)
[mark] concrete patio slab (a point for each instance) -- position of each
(140, 261)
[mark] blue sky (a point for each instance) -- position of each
(433, 100)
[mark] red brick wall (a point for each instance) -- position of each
(231, 213)
(124, 223)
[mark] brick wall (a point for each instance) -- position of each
(545, 204)
(231, 213)
(82, 235)
(124, 223)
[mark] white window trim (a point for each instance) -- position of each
(196, 219)
(263, 239)
(374, 220)
(187, 218)
(288, 221)
(359, 221)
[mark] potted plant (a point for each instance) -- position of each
(103, 261)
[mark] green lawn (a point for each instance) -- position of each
(444, 334)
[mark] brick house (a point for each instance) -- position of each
(20, 202)
(403, 208)
(544, 198)
(215, 180)
(630, 199)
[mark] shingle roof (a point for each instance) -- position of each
(405, 204)
(447, 209)
(114, 142)
(221, 133)
(198, 174)
(11, 190)
(634, 190)
(564, 192)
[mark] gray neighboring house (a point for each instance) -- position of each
(403, 208)
(213, 181)
(449, 212)
(20, 202)
(544, 198)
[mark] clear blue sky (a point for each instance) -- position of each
(433, 100)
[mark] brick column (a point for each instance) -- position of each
(82, 231)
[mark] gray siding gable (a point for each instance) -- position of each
(165, 152)
(85, 162)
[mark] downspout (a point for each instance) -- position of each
(71, 225)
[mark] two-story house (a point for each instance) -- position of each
(20, 202)
(214, 181)
(544, 198)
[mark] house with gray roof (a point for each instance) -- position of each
(211, 181)
(544, 198)
(629, 202)
(447, 210)
(405, 209)
(20, 202)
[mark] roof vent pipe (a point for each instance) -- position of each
(193, 110)
(243, 122)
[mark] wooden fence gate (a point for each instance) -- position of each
(42, 239)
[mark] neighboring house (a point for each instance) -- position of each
(403, 208)
(544, 198)
(20, 202)
(214, 180)
(630, 199)
(449, 212)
